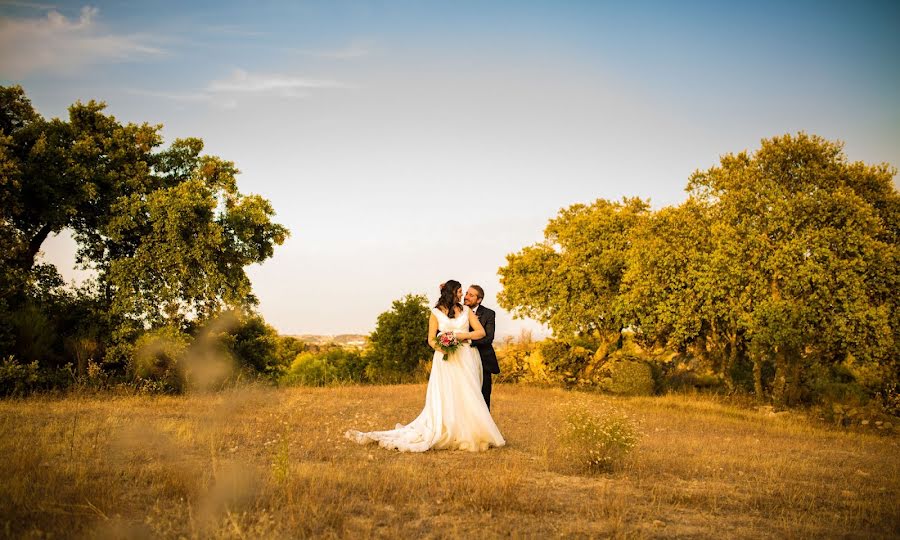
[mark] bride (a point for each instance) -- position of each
(455, 415)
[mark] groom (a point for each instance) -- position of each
(486, 316)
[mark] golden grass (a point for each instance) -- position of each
(272, 463)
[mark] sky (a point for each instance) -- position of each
(405, 143)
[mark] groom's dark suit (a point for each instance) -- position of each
(485, 348)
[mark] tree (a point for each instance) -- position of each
(180, 251)
(67, 174)
(805, 241)
(571, 281)
(659, 288)
(785, 260)
(167, 231)
(679, 294)
(399, 344)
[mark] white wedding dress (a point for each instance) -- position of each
(455, 415)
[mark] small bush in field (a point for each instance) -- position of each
(591, 441)
(17, 378)
(565, 361)
(154, 363)
(626, 376)
(335, 366)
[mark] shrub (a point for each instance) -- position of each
(154, 363)
(399, 346)
(519, 360)
(592, 441)
(827, 385)
(626, 376)
(334, 366)
(21, 379)
(890, 397)
(513, 365)
(565, 362)
(35, 334)
(18, 379)
(255, 346)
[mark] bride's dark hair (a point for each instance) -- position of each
(448, 297)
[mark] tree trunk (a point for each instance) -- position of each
(782, 373)
(792, 393)
(34, 245)
(757, 378)
(731, 360)
(717, 352)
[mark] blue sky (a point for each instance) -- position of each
(381, 129)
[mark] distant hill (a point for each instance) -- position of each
(346, 340)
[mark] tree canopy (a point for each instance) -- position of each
(399, 344)
(784, 260)
(166, 230)
(571, 280)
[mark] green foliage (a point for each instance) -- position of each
(18, 379)
(167, 232)
(232, 347)
(594, 441)
(399, 344)
(22, 379)
(667, 261)
(286, 350)
(626, 376)
(34, 333)
(513, 357)
(182, 251)
(785, 259)
(94, 378)
(255, 345)
(335, 366)
(158, 359)
(802, 237)
(571, 280)
(565, 362)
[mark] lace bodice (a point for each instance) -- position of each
(460, 323)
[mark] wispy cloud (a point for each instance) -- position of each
(174, 96)
(55, 43)
(206, 98)
(243, 82)
(226, 92)
(356, 49)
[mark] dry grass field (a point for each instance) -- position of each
(262, 463)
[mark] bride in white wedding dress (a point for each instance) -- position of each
(455, 414)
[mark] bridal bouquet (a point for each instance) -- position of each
(447, 342)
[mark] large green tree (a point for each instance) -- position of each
(784, 260)
(807, 244)
(571, 280)
(166, 230)
(667, 258)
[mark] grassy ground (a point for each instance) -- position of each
(272, 463)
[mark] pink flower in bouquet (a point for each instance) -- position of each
(447, 342)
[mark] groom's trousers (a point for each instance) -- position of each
(486, 387)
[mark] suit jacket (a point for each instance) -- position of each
(484, 345)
